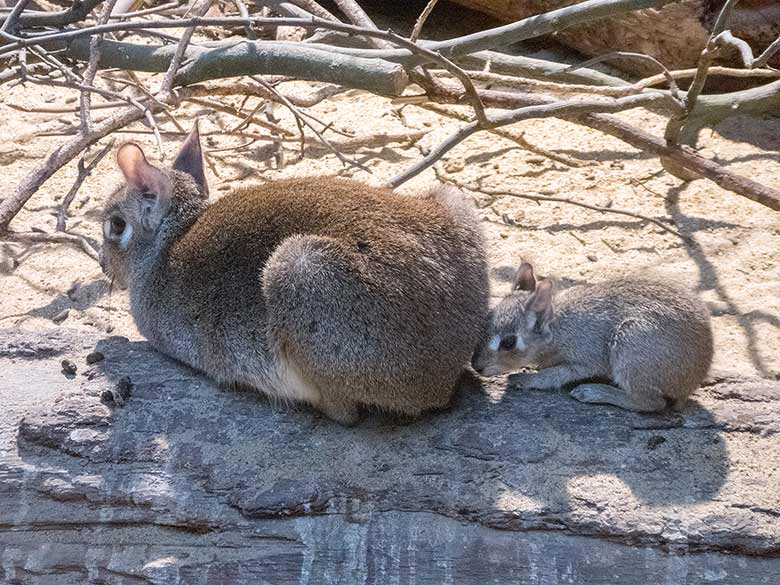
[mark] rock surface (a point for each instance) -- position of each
(188, 483)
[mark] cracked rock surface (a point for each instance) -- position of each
(184, 482)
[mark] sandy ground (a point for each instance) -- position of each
(729, 253)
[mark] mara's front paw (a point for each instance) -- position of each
(586, 393)
(524, 381)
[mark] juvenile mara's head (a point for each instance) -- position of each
(518, 328)
(133, 217)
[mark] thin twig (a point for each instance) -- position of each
(167, 83)
(418, 25)
(724, 71)
(147, 11)
(83, 173)
(764, 58)
(241, 7)
(302, 119)
(673, 88)
(85, 99)
(554, 87)
(221, 107)
(460, 74)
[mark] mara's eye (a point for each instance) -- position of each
(148, 195)
(117, 225)
(508, 343)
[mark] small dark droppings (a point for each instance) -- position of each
(68, 368)
(654, 441)
(125, 387)
(61, 316)
(95, 357)
(592, 257)
(118, 395)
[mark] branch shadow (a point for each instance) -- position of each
(708, 278)
(760, 131)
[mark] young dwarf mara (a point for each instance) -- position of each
(319, 290)
(651, 341)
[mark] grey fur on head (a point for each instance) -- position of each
(635, 342)
(320, 290)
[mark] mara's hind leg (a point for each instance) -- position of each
(644, 401)
(322, 320)
(341, 410)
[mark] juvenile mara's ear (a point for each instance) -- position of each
(149, 183)
(190, 159)
(525, 279)
(539, 307)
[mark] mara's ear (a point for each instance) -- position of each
(149, 183)
(190, 159)
(539, 307)
(525, 279)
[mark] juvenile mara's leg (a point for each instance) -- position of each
(551, 378)
(644, 401)
(642, 365)
(319, 318)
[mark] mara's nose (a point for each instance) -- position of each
(475, 364)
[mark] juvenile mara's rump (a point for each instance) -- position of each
(651, 340)
(317, 289)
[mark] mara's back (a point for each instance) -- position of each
(413, 249)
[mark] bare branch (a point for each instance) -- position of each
(764, 58)
(527, 28)
(312, 8)
(421, 20)
(250, 33)
(78, 11)
(683, 156)
(676, 126)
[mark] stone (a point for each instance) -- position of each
(69, 368)
(192, 483)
